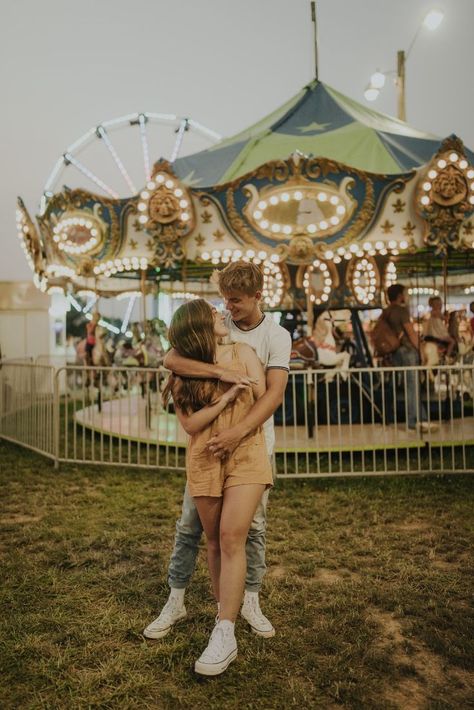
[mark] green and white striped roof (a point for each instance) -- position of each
(321, 122)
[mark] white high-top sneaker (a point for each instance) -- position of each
(220, 652)
(254, 616)
(172, 612)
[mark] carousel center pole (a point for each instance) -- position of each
(315, 23)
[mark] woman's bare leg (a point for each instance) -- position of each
(238, 509)
(209, 510)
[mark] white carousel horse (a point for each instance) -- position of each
(323, 338)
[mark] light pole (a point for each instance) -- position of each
(377, 81)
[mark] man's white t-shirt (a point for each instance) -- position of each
(272, 343)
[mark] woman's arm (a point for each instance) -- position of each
(195, 422)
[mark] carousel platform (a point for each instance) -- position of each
(130, 418)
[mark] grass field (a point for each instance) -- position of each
(369, 585)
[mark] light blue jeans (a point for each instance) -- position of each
(415, 409)
(188, 535)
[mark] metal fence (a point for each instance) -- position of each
(358, 422)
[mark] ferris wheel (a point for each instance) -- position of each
(134, 140)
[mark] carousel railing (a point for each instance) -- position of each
(331, 422)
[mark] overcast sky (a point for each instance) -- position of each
(68, 65)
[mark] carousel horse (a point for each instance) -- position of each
(325, 342)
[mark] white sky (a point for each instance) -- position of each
(68, 65)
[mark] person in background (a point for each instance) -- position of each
(407, 355)
(91, 337)
(435, 330)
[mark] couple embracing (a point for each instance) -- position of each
(224, 397)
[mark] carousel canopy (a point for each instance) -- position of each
(318, 121)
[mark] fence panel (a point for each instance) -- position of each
(331, 422)
(27, 409)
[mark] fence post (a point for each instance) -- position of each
(56, 413)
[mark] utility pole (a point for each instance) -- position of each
(314, 21)
(401, 85)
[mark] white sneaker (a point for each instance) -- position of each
(172, 612)
(257, 620)
(220, 652)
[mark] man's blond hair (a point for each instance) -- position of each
(241, 276)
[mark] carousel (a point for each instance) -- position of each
(334, 200)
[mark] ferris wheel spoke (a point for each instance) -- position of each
(142, 121)
(179, 138)
(204, 131)
(102, 133)
(70, 159)
(128, 313)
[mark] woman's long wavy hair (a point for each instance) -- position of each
(191, 334)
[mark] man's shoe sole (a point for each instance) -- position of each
(155, 635)
(211, 669)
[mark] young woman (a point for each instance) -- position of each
(226, 491)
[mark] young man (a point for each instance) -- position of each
(407, 354)
(241, 286)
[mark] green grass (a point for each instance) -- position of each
(369, 585)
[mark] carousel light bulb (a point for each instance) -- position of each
(403, 244)
(425, 200)
(337, 259)
(392, 244)
(472, 185)
(334, 200)
(298, 195)
(285, 197)
(340, 209)
(143, 218)
(275, 228)
(287, 229)
(426, 186)
(471, 199)
(353, 248)
(383, 252)
(463, 164)
(347, 255)
(151, 185)
(215, 253)
(328, 282)
(341, 251)
(313, 297)
(257, 214)
(262, 254)
(275, 258)
(262, 205)
(323, 224)
(227, 252)
(322, 197)
(141, 206)
(169, 184)
(205, 256)
(183, 203)
(329, 254)
(273, 200)
(178, 192)
(184, 216)
(442, 163)
(311, 228)
(160, 178)
(264, 224)
(454, 157)
(324, 297)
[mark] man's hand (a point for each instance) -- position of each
(234, 378)
(224, 443)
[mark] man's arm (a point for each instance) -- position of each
(412, 334)
(186, 367)
(226, 441)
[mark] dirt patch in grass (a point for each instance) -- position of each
(19, 519)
